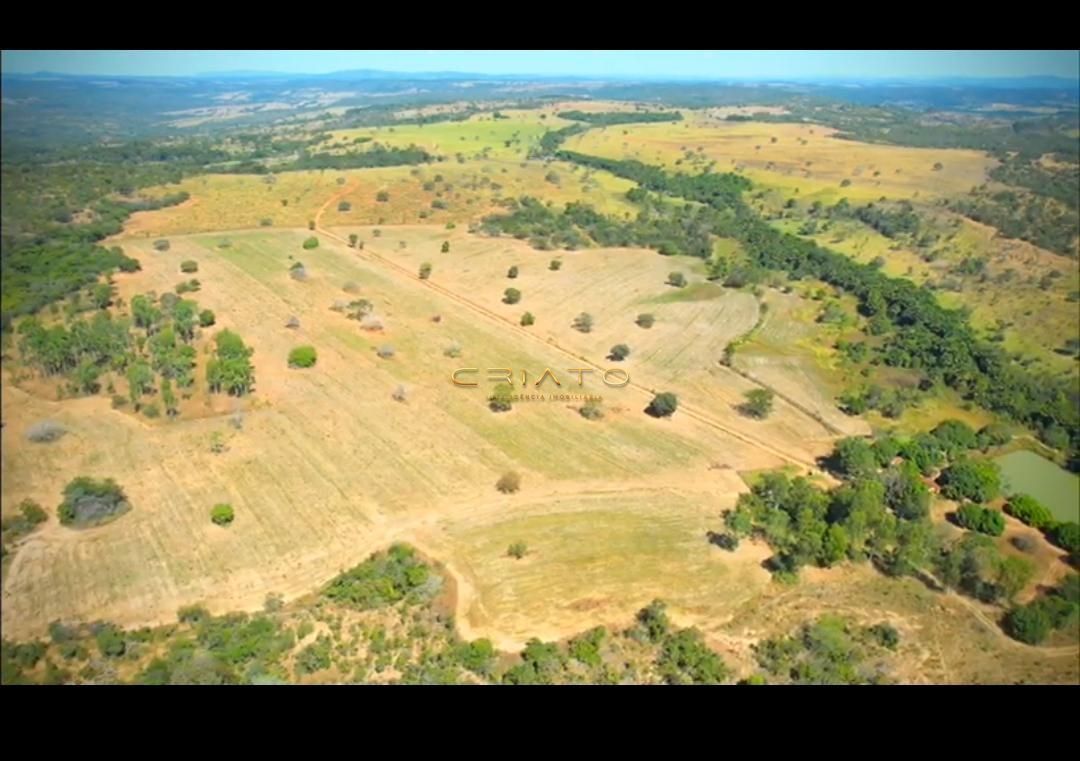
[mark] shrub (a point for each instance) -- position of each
(583, 322)
(1065, 535)
(512, 272)
(353, 237)
(110, 640)
(445, 247)
(511, 296)
(292, 323)
(371, 323)
(527, 319)
(677, 279)
(303, 356)
(45, 431)
(509, 482)
(386, 351)
(425, 270)
(1029, 510)
(206, 318)
(400, 394)
(152, 410)
(192, 614)
(188, 266)
(517, 550)
(383, 579)
(189, 287)
(645, 320)
(88, 502)
(222, 514)
(663, 404)
(758, 404)
(118, 401)
(501, 396)
(266, 222)
(976, 480)
(344, 206)
(591, 411)
(981, 519)
(382, 196)
(298, 272)
(453, 351)
(619, 352)
(161, 245)
(310, 243)
(311, 224)
(555, 264)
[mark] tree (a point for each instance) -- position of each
(976, 518)
(382, 196)
(511, 296)
(501, 398)
(905, 492)
(1066, 535)
(663, 404)
(425, 270)
(101, 295)
(677, 279)
(188, 266)
(206, 318)
(512, 272)
(1030, 623)
(222, 514)
(168, 398)
(955, 437)
(509, 482)
(583, 322)
(592, 410)
(653, 621)
(311, 224)
(310, 243)
(303, 356)
(517, 550)
(758, 404)
(1029, 510)
(445, 247)
(645, 320)
(853, 458)
(527, 319)
(161, 245)
(86, 377)
(344, 206)
(976, 480)
(555, 264)
(619, 352)
(353, 237)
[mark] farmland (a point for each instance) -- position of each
(362, 291)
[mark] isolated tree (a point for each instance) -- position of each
(758, 404)
(303, 356)
(501, 398)
(382, 196)
(310, 243)
(645, 320)
(161, 245)
(512, 272)
(527, 319)
(511, 296)
(206, 318)
(619, 352)
(509, 482)
(344, 206)
(311, 224)
(445, 247)
(222, 514)
(555, 264)
(677, 279)
(854, 458)
(353, 237)
(583, 323)
(591, 410)
(663, 404)
(189, 265)
(517, 550)
(425, 270)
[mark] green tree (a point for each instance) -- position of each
(981, 519)
(303, 356)
(511, 296)
(425, 270)
(445, 247)
(527, 319)
(758, 404)
(501, 398)
(555, 264)
(1029, 510)
(310, 243)
(583, 323)
(222, 514)
(677, 279)
(976, 480)
(206, 318)
(663, 404)
(645, 320)
(619, 352)
(512, 272)
(853, 458)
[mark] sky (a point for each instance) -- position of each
(677, 64)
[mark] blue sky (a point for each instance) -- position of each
(743, 64)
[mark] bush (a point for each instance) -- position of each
(500, 400)
(206, 318)
(110, 640)
(677, 279)
(981, 519)
(425, 270)
(383, 579)
(583, 322)
(188, 266)
(663, 405)
(382, 196)
(976, 480)
(517, 550)
(1065, 535)
(222, 514)
(118, 401)
(303, 356)
(1029, 510)
(151, 410)
(555, 265)
(511, 296)
(161, 245)
(192, 614)
(266, 222)
(310, 243)
(645, 320)
(758, 404)
(45, 432)
(453, 351)
(344, 206)
(619, 352)
(509, 482)
(512, 273)
(527, 319)
(88, 502)
(386, 351)
(591, 411)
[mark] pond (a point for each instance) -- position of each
(1052, 485)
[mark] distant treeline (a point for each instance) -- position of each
(377, 156)
(919, 333)
(608, 118)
